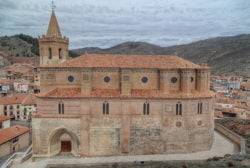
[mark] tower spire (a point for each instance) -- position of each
(53, 48)
(53, 29)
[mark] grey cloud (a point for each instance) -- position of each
(105, 23)
(8, 4)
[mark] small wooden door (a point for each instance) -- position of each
(65, 146)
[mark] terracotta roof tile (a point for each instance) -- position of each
(3, 117)
(6, 81)
(16, 99)
(128, 61)
(221, 95)
(246, 86)
(2, 53)
(22, 60)
(115, 93)
(7, 134)
(225, 101)
(30, 99)
(20, 68)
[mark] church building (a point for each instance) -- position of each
(110, 104)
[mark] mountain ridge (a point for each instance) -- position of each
(226, 55)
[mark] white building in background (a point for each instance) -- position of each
(4, 122)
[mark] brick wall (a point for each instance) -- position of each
(185, 80)
(55, 44)
(126, 129)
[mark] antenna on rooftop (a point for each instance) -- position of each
(53, 6)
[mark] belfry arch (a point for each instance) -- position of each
(63, 140)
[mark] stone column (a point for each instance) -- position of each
(84, 135)
(185, 81)
(202, 80)
(86, 84)
(125, 82)
(164, 81)
(125, 128)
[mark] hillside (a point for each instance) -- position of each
(20, 48)
(3, 59)
(125, 48)
(227, 55)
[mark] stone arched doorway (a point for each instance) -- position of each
(62, 140)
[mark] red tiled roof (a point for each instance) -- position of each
(115, 93)
(30, 99)
(2, 53)
(3, 117)
(7, 134)
(218, 113)
(6, 81)
(20, 68)
(225, 101)
(16, 99)
(246, 86)
(128, 61)
(221, 95)
(22, 60)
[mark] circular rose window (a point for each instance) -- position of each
(144, 80)
(191, 79)
(106, 79)
(178, 124)
(70, 78)
(173, 79)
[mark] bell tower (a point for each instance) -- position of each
(53, 48)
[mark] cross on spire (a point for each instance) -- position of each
(53, 6)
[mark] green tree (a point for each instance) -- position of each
(25, 111)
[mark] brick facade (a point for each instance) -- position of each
(118, 104)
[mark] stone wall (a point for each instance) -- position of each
(104, 136)
(45, 130)
(185, 80)
(8, 147)
(5, 149)
(54, 44)
(125, 130)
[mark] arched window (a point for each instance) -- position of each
(105, 108)
(146, 108)
(60, 53)
(199, 108)
(61, 108)
(50, 53)
(178, 108)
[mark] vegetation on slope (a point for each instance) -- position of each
(227, 55)
(30, 40)
(22, 45)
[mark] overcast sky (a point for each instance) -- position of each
(104, 23)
